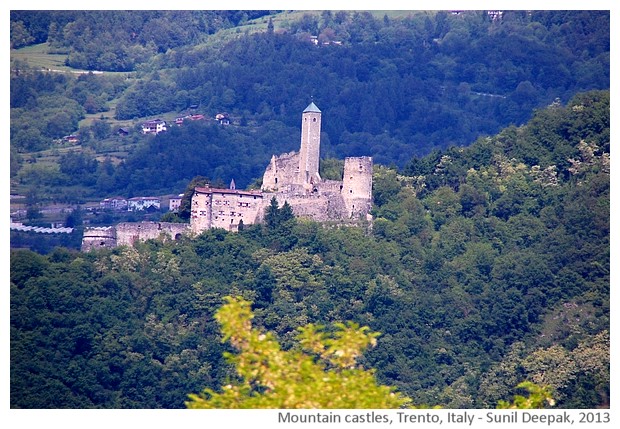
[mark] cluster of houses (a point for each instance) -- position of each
(315, 41)
(495, 15)
(181, 119)
(140, 203)
(156, 126)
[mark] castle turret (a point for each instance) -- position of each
(357, 186)
(310, 146)
(98, 237)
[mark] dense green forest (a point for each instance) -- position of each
(390, 86)
(485, 265)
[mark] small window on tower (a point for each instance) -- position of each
(313, 119)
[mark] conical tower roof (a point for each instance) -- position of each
(312, 108)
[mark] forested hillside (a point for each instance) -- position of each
(390, 86)
(485, 265)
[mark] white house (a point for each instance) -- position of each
(154, 126)
(175, 203)
(114, 203)
(143, 203)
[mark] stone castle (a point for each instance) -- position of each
(292, 177)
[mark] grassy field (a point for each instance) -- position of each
(38, 57)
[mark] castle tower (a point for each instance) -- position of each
(202, 210)
(310, 145)
(357, 186)
(98, 237)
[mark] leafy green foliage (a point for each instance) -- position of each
(120, 41)
(47, 106)
(279, 224)
(539, 397)
(322, 373)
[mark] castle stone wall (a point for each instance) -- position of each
(201, 210)
(128, 233)
(282, 170)
(317, 207)
(330, 187)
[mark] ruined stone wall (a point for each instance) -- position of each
(283, 170)
(127, 233)
(330, 200)
(318, 207)
(329, 187)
